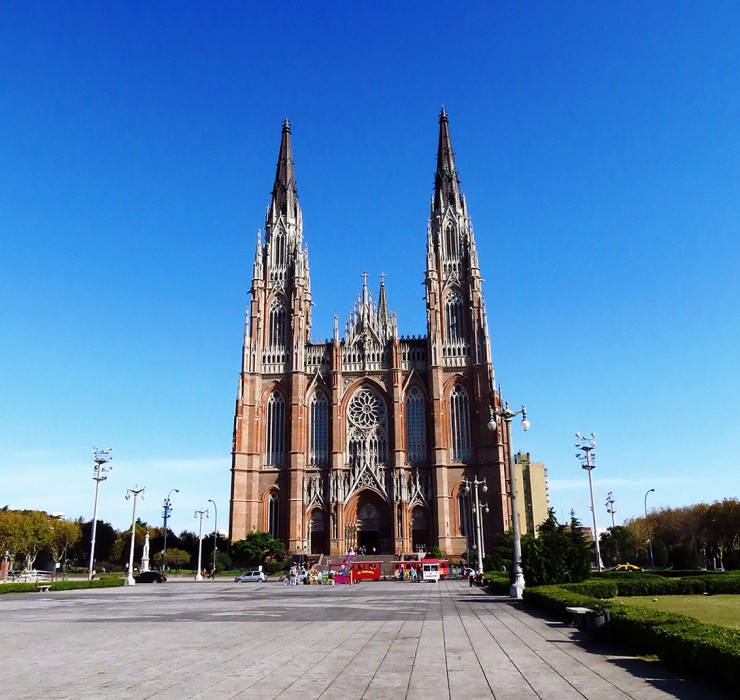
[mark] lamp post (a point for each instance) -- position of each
(215, 535)
(166, 510)
(101, 459)
(475, 483)
(135, 491)
(482, 509)
(201, 513)
(610, 506)
(586, 446)
(506, 415)
(647, 524)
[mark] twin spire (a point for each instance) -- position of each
(284, 193)
(446, 181)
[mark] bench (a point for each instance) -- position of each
(579, 616)
(43, 587)
(593, 621)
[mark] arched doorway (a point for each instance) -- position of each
(370, 523)
(317, 536)
(419, 529)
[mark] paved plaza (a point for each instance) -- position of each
(374, 640)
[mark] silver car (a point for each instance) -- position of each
(251, 576)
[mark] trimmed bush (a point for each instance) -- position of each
(682, 642)
(593, 588)
(17, 587)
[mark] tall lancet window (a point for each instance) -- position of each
(275, 430)
(451, 242)
(454, 316)
(416, 443)
(463, 512)
(459, 425)
(273, 515)
(318, 449)
(276, 334)
(367, 428)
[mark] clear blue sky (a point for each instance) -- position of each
(599, 149)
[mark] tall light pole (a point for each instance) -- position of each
(101, 459)
(215, 535)
(166, 510)
(586, 446)
(506, 415)
(482, 509)
(610, 506)
(475, 483)
(201, 513)
(135, 492)
(647, 524)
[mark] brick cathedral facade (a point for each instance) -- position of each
(367, 439)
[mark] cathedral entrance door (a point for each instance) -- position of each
(419, 530)
(317, 538)
(370, 540)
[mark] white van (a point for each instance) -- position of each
(431, 572)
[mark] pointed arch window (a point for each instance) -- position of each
(451, 242)
(273, 515)
(318, 449)
(275, 430)
(464, 513)
(459, 425)
(276, 331)
(454, 316)
(416, 445)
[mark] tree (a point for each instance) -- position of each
(618, 546)
(64, 535)
(555, 555)
(257, 548)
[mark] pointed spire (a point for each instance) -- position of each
(284, 193)
(446, 182)
(383, 315)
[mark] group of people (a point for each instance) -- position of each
(307, 575)
(414, 574)
(360, 551)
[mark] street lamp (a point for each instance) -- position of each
(101, 458)
(476, 508)
(201, 513)
(135, 491)
(504, 413)
(610, 506)
(483, 509)
(647, 524)
(166, 510)
(587, 445)
(215, 535)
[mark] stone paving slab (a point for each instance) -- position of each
(374, 640)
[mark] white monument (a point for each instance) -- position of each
(145, 553)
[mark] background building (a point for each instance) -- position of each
(532, 494)
(365, 440)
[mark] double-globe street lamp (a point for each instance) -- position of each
(101, 459)
(215, 535)
(135, 492)
(586, 447)
(647, 525)
(200, 513)
(475, 483)
(506, 415)
(166, 511)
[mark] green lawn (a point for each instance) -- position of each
(718, 609)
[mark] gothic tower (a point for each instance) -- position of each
(365, 440)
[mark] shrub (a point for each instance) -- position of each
(271, 568)
(593, 588)
(683, 642)
(17, 587)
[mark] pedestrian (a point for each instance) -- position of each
(471, 578)
(412, 574)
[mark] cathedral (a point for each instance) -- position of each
(367, 440)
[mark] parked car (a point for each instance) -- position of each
(150, 577)
(626, 567)
(251, 576)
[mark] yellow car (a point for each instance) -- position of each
(627, 567)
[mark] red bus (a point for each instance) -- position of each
(366, 570)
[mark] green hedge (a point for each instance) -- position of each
(594, 588)
(60, 585)
(682, 642)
